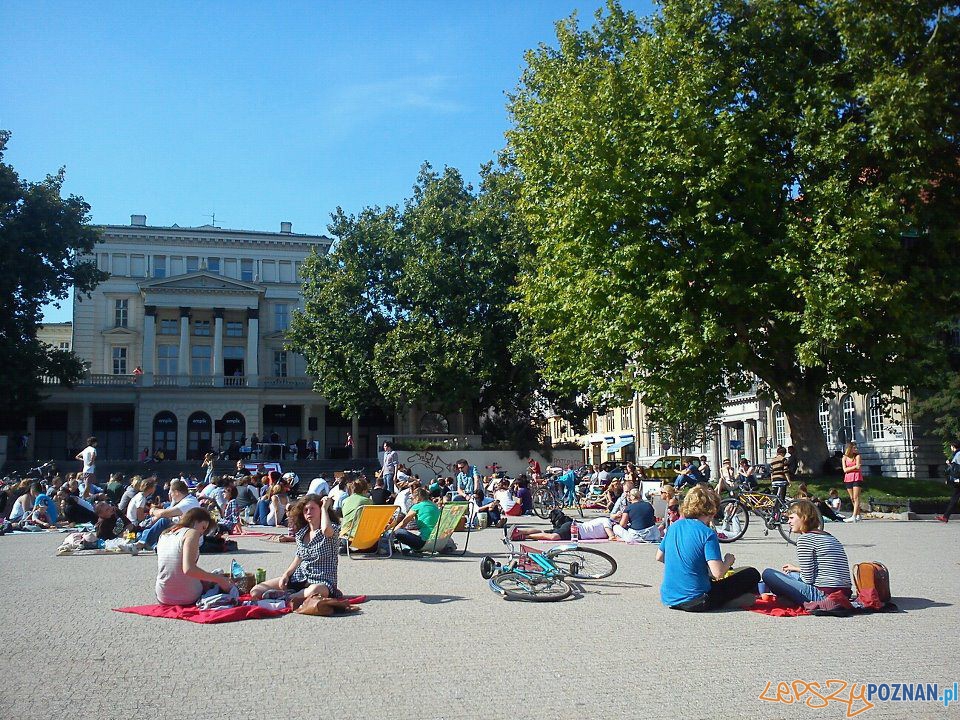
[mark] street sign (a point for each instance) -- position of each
(736, 444)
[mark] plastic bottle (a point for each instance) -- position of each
(236, 570)
(574, 532)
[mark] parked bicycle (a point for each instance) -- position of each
(549, 495)
(539, 576)
(733, 516)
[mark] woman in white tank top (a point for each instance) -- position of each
(179, 580)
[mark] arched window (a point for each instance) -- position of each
(824, 414)
(876, 418)
(780, 427)
(849, 414)
(435, 424)
(199, 434)
(234, 429)
(165, 434)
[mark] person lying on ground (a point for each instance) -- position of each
(823, 566)
(598, 529)
(313, 570)
(695, 575)
(179, 580)
(637, 522)
(110, 523)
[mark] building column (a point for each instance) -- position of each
(149, 352)
(321, 435)
(750, 440)
(355, 432)
(725, 441)
(305, 412)
(217, 366)
(183, 354)
(717, 452)
(182, 438)
(253, 347)
(86, 423)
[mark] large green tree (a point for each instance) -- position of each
(743, 187)
(414, 305)
(44, 239)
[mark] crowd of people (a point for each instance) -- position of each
(180, 516)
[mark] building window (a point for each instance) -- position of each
(119, 355)
(159, 266)
(201, 328)
(234, 329)
(780, 427)
(280, 363)
(626, 418)
(138, 266)
(167, 359)
(281, 317)
(169, 326)
(246, 270)
(64, 346)
(200, 359)
(609, 420)
(120, 266)
(876, 418)
(213, 265)
(652, 441)
(286, 271)
(824, 414)
(193, 264)
(849, 412)
(120, 309)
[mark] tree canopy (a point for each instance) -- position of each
(43, 240)
(413, 304)
(737, 187)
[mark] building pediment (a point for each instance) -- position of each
(121, 332)
(200, 282)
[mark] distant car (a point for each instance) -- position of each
(665, 467)
(615, 470)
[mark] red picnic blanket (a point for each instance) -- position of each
(771, 605)
(191, 613)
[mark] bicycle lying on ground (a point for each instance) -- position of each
(733, 517)
(543, 576)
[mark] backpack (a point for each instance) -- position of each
(872, 576)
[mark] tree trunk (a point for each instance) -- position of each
(806, 435)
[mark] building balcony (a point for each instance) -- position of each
(190, 381)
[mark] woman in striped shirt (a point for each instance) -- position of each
(823, 566)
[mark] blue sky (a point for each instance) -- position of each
(259, 112)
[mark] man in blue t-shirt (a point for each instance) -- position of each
(690, 475)
(637, 522)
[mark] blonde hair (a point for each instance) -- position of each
(700, 501)
(851, 450)
(634, 495)
(808, 514)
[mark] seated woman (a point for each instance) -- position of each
(598, 529)
(823, 567)
(637, 522)
(138, 509)
(611, 494)
(425, 513)
(746, 474)
(358, 497)
(522, 491)
(231, 511)
(314, 567)
(726, 477)
(510, 504)
(179, 580)
(278, 505)
(694, 574)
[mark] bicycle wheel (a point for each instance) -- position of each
(542, 503)
(535, 588)
(731, 520)
(583, 563)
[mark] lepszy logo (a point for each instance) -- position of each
(856, 698)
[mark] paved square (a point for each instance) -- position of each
(435, 642)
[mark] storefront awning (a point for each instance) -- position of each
(620, 443)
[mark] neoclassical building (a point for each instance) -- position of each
(185, 345)
(890, 441)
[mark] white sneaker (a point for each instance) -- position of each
(852, 518)
(858, 519)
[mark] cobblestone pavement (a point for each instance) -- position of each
(435, 642)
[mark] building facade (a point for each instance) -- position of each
(752, 427)
(185, 345)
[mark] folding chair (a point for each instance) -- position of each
(450, 516)
(364, 529)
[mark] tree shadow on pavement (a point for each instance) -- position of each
(425, 599)
(915, 603)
